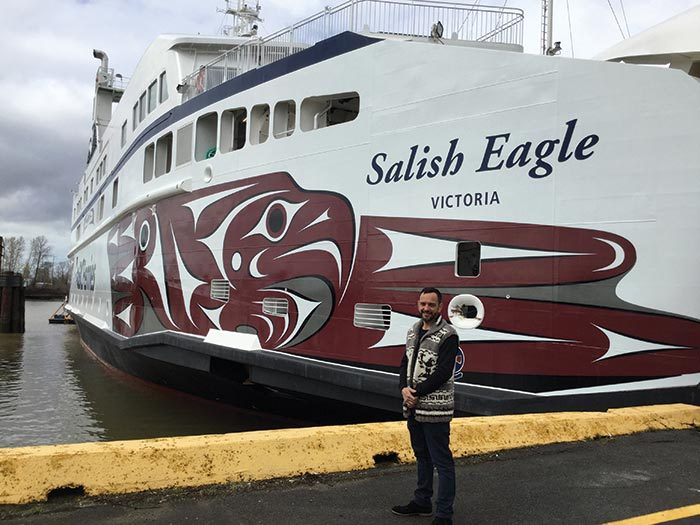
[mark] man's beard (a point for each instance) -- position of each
(429, 317)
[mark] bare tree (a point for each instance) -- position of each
(14, 253)
(39, 252)
(62, 274)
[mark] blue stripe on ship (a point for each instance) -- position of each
(324, 50)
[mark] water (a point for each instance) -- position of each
(53, 391)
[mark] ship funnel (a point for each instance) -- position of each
(102, 56)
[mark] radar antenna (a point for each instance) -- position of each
(245, 18)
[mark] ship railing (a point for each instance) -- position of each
(477, 23)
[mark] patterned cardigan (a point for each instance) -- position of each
(438, 406)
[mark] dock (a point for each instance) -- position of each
(533, 468)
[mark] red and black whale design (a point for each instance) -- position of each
(553, 320)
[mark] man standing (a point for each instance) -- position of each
(426, 379)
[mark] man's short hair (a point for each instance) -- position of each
(430, 289)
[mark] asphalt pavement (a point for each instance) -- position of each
(591, 482)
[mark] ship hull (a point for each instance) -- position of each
(294, 261)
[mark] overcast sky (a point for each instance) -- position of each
(47, 78)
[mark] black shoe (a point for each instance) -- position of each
(442, 521)
(412, 509)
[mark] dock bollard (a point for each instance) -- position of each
(11, 303)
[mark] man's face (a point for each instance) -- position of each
(429, 307)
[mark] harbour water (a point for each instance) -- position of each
(53, 391)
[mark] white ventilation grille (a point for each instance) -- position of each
(274, 306)
(220, 289)
(373, 316)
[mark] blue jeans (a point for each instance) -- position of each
(431, 445)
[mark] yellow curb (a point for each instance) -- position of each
(28, 474)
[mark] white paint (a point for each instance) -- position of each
(619, 344)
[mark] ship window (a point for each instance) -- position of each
(321, 112)
(142, 106)
(275, 306)
(123, 133)
(135, 117)
(372, 316)
(259, 123)
(152, 96)
(148, 161)
(285, 116)
(233, 129)
(164, 154)
(205, 138)
(163, 93)
(115, 192)
(184, 145)
(468, 263)
(101, 208)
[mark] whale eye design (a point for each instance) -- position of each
(275, 220)
(144, 236)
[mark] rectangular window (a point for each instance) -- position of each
(101, 208)
(259, 123)
(92, 185)
(184, 145)
(142, 107)
(152, 96)
(163, 93)
(123, 133)
(148, 161)
(322, 112)
(468, 262)
(205, 137)
(115, 192)
(285, 115)
(164, 154)
(233, 129)
(135, 117)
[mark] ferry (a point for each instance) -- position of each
(262, 212)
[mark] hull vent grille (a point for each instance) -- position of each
(220, 289)
(372, 316)
(274, 306)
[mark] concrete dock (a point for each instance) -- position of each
(582, 474)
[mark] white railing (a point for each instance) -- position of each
(383, 17)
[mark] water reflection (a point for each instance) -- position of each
(54, 391)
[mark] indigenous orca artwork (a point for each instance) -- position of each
(270, 223)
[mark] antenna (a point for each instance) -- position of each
(245, 19)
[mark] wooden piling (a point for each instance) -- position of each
(11, 303)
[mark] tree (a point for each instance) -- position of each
(62, 274)
(14, 253)
(39, 252)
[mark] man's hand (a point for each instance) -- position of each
(409, 397)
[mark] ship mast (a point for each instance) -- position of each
(548, 48)
(245, 19)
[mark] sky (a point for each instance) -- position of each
(47, 78)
